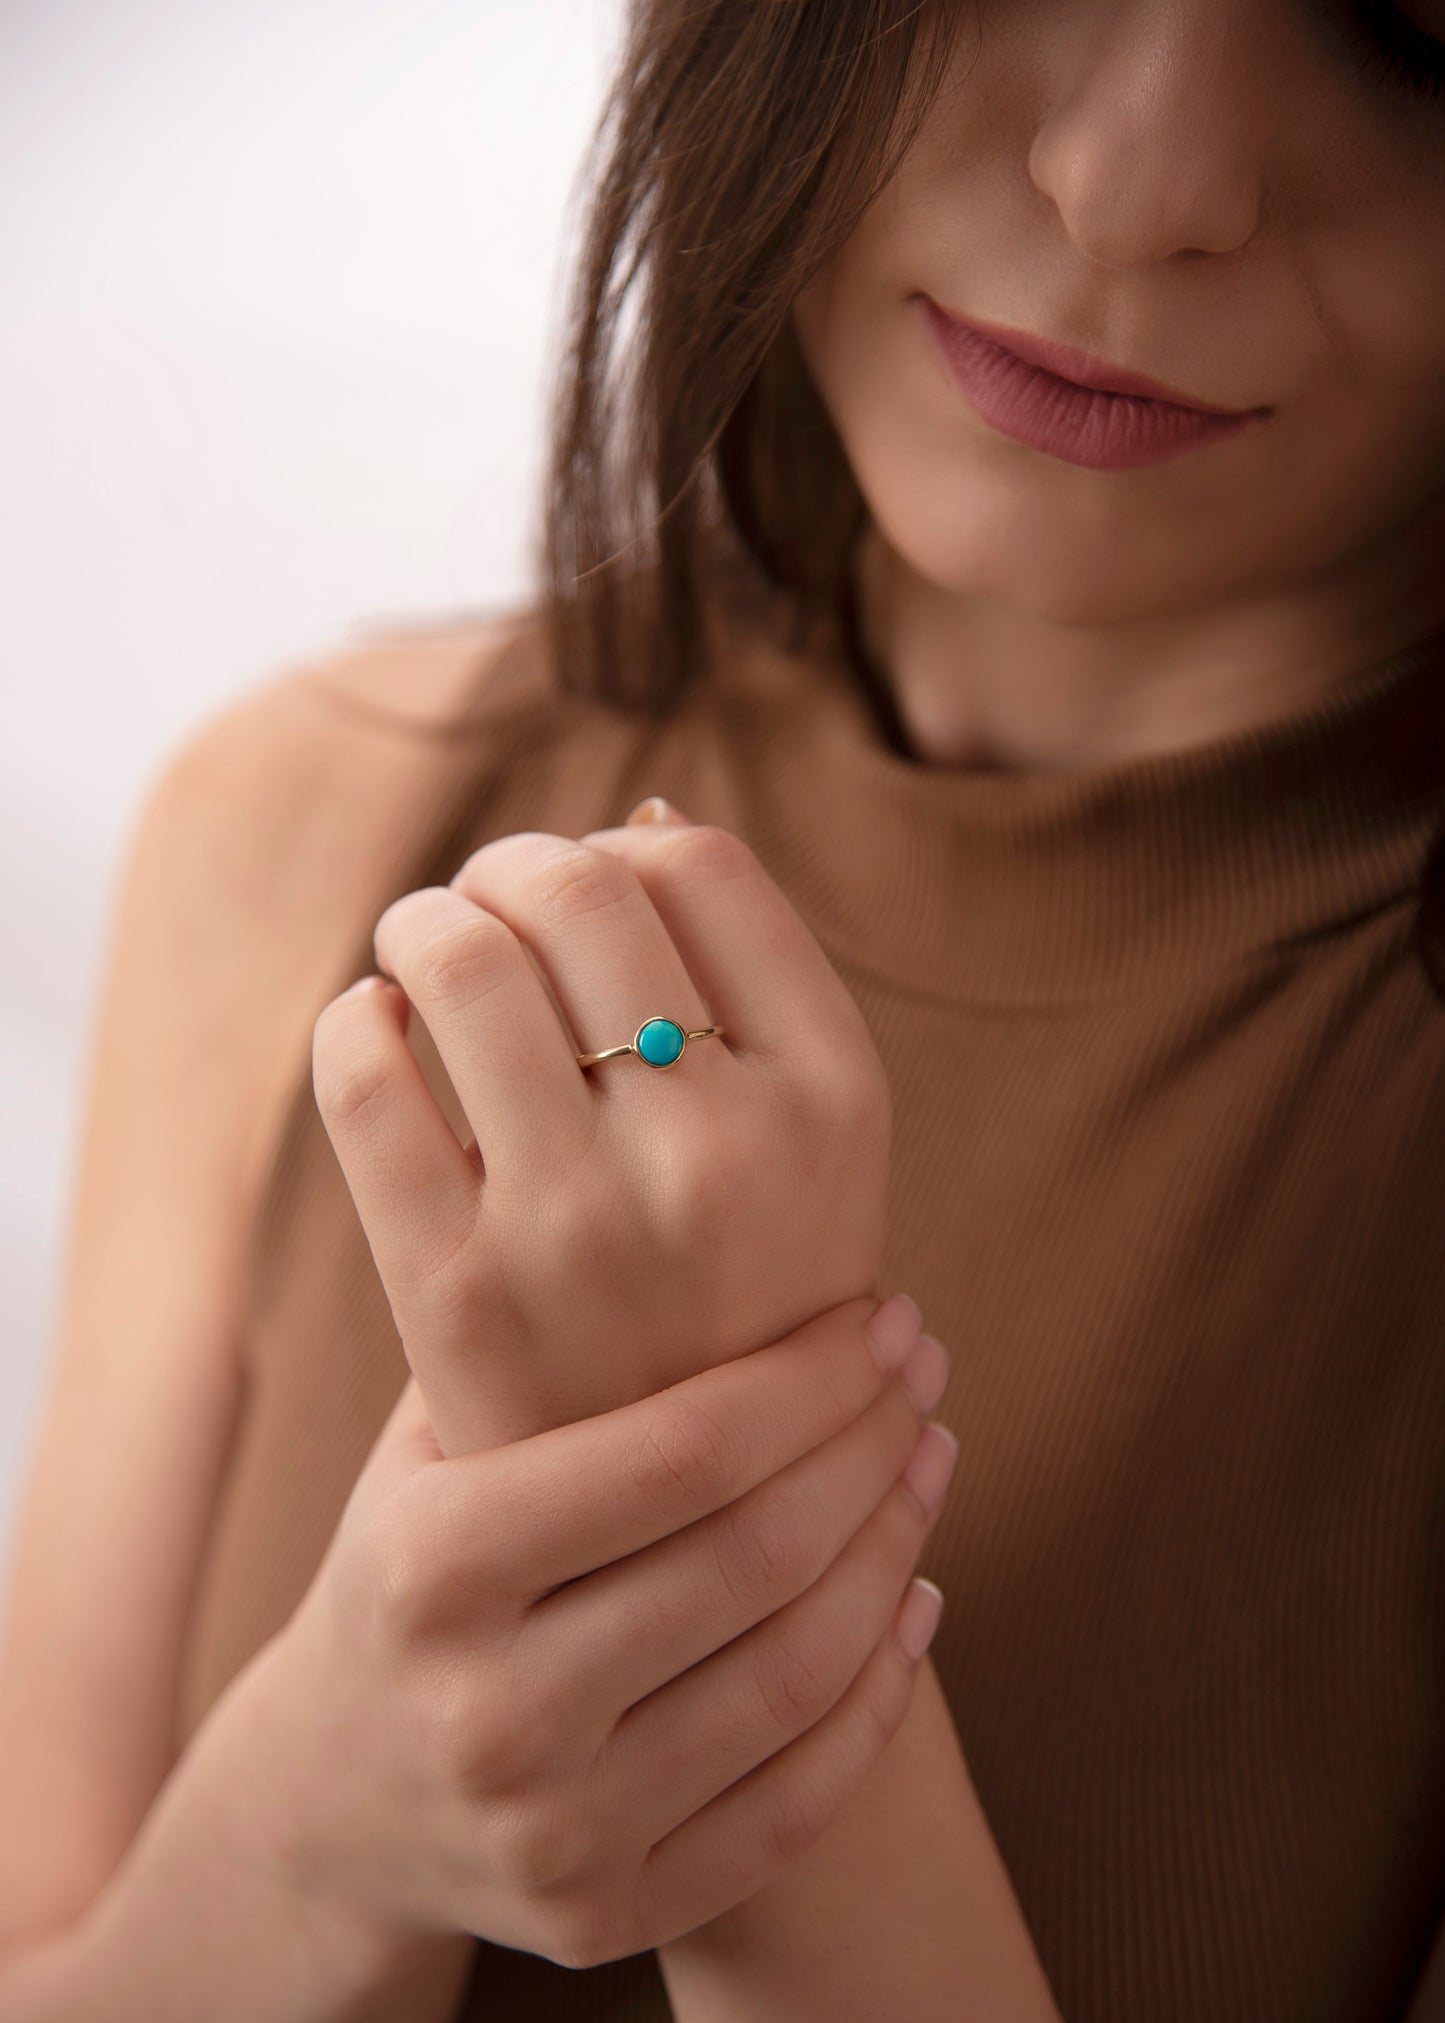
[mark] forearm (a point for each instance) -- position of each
(198, 1920)
(903, 1908)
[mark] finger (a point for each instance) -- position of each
(412, 1183)
(594, 929)
(631, 1627)
(506, 1052)
(743, 1838)
(698, 1735)
(563, 1502)
(754, 960)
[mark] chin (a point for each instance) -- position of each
(978, 537)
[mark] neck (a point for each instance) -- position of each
(974, 683)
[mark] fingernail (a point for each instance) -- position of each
(925, 1372)
(892, 1329)
(918, 1618)
(931, 1468)
(363, 983)
(656, 809)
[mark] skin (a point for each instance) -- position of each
(1207, 193)
(1211, 192)
(510, 1706)
(580, 1249)
(1032, 614)
(652, 895)
(605, 1237)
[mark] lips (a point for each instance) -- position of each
(1099, 430)
(1080, 368)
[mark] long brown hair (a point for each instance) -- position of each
(740, 143)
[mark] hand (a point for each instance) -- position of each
(583, 1693)
(612, 1230)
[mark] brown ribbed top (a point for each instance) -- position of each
(1167, 1046)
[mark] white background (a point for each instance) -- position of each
(281, 286)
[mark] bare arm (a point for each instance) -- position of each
(219, 938)
(903, 1908)
(194, 1923)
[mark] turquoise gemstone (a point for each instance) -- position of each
(660, 1042)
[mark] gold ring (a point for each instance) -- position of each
(659, 1041)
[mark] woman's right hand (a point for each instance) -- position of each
(584, 1692)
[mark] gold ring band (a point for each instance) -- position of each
(659, 1041)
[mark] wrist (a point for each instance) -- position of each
(297, 1828)
(211, 1913)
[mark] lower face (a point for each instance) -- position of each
(1206, 192)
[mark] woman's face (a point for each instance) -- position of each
(1225, 195)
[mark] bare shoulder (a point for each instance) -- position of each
(273, 825)
(303, 754)
(237, 893)
(289, 793)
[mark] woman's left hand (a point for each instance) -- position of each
(611, 1230)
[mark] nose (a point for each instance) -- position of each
(1158, 139)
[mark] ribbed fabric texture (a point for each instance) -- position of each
(1167, 1047)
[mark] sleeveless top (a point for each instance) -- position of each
(1166, 1039)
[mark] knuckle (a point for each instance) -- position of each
(803, 1111)
(405, 1591)
(352, 1081)
(470, 1737)
(471, 1543)
(705, 851)
(465, 959)
(798, 1813)
(795, 1680)
(581, 1221)
(903, 1518)
(461, 878)
(883, 1695)
(496, 1752)
(763, 1550)
(681, 1454)
(445, 1739)
(442, 1261)
(541, 1845)
(842, 1095)
(842, 1351)
(433, 1566)
(588, 1932)
(452, 1727)
(414, 1612)
(695, 1190)
(578, 881)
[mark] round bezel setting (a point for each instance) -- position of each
(651, 1025)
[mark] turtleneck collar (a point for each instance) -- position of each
(1039, 888)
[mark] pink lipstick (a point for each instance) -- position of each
(1079, 409)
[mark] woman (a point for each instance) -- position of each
(1048, 900)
